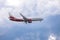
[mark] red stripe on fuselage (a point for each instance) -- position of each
(18, 20)
(15, 19)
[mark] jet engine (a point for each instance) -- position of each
(29, 21)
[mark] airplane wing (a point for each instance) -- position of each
(23, 17)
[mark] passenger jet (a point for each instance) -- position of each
(24, 19)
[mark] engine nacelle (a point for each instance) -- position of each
(29, 21)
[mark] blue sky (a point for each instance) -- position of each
(48, 29)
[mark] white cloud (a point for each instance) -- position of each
(52, 37)
(45, 7)
(15, 3)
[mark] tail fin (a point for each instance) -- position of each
(10, 16)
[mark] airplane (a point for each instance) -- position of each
(26, 20)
